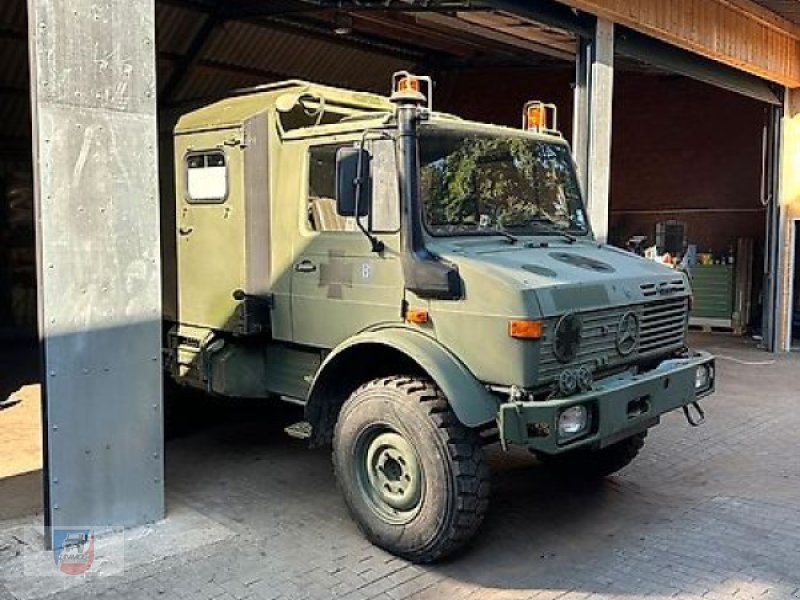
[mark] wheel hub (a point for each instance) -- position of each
(393, 472)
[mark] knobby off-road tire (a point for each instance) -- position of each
(413, 477)
(596, 464)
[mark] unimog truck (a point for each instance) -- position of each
(424, 286)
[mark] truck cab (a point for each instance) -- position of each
(424, 286)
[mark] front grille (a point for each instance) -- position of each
(662, 329)
(662, 325)
(673, 286)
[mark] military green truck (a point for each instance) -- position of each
(424, 286)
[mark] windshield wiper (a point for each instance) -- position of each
(547, 227)
(510, 237)
(560, 232)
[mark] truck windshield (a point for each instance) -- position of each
(476, 183)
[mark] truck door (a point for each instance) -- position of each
(339, 286)
(211, 229)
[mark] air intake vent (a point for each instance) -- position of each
(663, 288)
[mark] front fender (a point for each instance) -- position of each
(472, 403)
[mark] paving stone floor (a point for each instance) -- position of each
(712, 512)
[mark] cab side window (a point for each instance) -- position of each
(385, 213)
(385, 217)
(206, 177)
(322, 215)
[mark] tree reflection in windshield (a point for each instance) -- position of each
(477, 183)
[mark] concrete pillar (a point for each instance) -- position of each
(601, 93)
(95, 159)
(789, 198)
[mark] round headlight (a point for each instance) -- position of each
(567, 338)
(573, 421)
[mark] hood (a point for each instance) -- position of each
(565, 276)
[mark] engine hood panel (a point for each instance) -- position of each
(566, 276)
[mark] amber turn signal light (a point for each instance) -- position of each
(419, 316)
(408, 84)
(537, 118)
(525, 330)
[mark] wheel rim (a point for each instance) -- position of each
(389, 474)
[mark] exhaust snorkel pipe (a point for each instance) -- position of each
(426, 274)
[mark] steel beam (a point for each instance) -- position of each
(547, 12)
(580, 110)
(96, 178)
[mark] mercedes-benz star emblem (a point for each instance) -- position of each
(627, 333)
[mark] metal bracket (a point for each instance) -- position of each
(694, 420)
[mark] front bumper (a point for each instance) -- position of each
(617, 406)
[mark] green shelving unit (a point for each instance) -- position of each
(714, 288)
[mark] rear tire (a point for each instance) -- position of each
(596, 464)
(413, 477)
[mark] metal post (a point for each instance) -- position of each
(95, 159)
(581, 117)
(601, 92)
(789, 203)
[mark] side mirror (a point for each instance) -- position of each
(352, 167)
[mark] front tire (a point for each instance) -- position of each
(413, 477)
(596, 464)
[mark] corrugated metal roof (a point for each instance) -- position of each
(15, 115)
(14, 61)
(244, 53)
(14, 15)
(14, 101)
(175, 27)
(285, 54)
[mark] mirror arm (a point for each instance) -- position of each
(377, 245)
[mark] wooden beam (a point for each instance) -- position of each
(738, 33)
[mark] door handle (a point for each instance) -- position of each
(185, 230)
(305, 266)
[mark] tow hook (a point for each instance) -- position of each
(697, 419)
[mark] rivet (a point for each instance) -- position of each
(55, 427)
(55, 479)
(56, 507)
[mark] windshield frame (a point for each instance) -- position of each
(502, 132)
